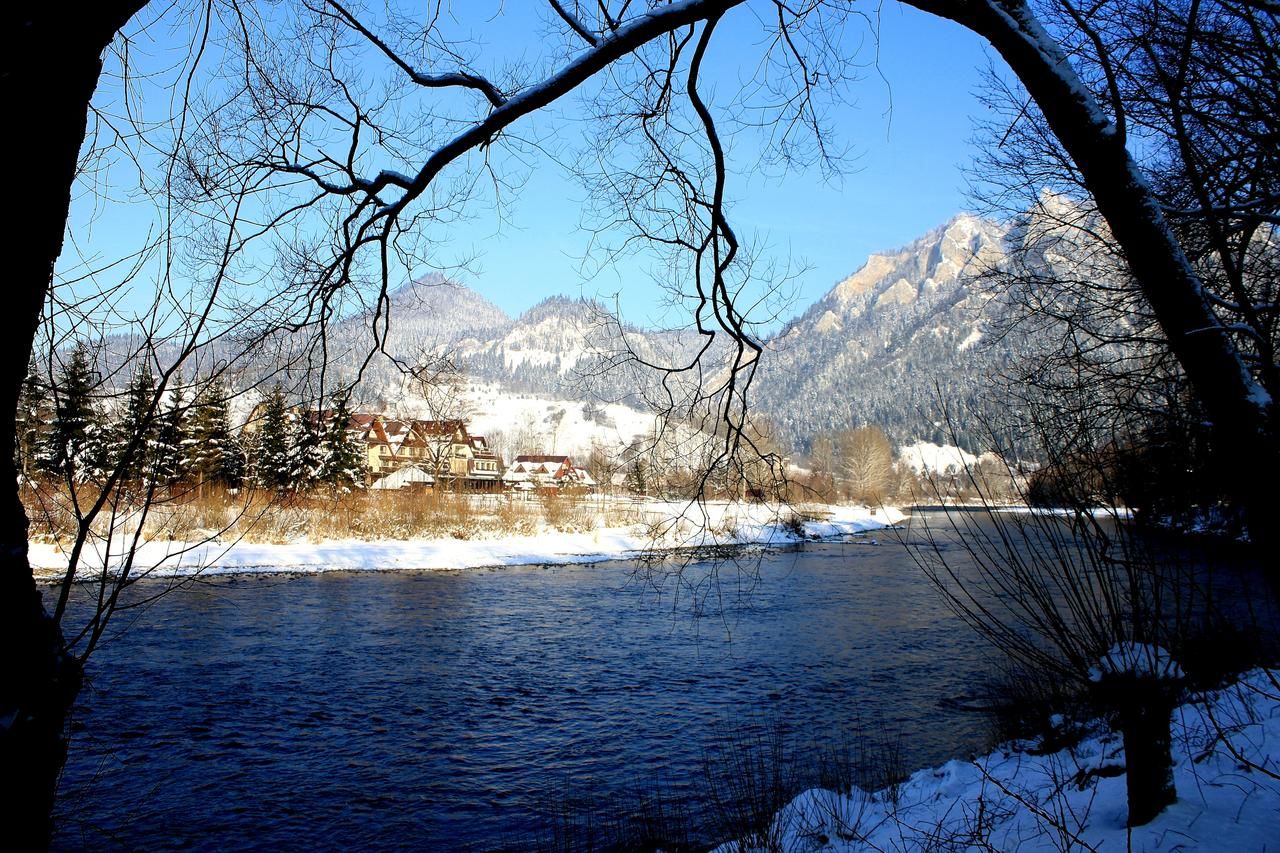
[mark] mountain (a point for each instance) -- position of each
(896, 344)
(432, 310)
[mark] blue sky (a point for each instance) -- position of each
(905, 177)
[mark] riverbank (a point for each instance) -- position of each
(1226, 747)
(663, 526)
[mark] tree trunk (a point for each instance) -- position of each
(50, 60)
(1241, 410)
(1148, 761)
(1143, 708)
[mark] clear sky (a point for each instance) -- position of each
(905, 177)
(905, 180)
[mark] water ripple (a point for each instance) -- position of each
(458, 710)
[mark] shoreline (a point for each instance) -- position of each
(722, 525)
(1018, 796)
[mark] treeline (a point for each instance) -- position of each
(70, 430)
(863, 465)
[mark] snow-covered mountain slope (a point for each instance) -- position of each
(553, 336)
(432, 310)
(534, 383)
(526, 424)
(896, 344)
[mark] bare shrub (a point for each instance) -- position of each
(568, 513)
(655, 818)
(1023, 706)
(49, 512)
(749, 778)
(621, 513)
(278, 517)
(518, 517)
(458, 518)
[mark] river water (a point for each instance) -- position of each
(440, 710)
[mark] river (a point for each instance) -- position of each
(463, 710)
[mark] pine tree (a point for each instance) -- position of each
(75, 436)
(272, 465)
(211, 454)
(306, 454)
(638, 477)
(344, 456)
(31, 422)
(234, 463)
(135, 438)
(169, 457)
(95, 457)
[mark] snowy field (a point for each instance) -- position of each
(668, 525)
(1227, 757)
(925, 458)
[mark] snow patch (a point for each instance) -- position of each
(972, 338)
(1141, 660)
(666, 525)
(1074, 799)
(925, 458)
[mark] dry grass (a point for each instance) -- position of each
(194, 515)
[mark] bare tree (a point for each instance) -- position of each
(340, 137)
(823, 465)
(1078, 598)
(442, 390)
(866, 463)
(1197, 83)
(604, 463)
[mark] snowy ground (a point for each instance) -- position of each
(668, 526)
(534, 424)
(925, 457)
(1227, 755)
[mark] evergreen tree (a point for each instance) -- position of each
(273, 466)
(343, 454)
(169, 456)
(211, 454)
(31, 422)
(307, 455)
(75, 437)
(135, 438)
(94, 458)
(638, 477)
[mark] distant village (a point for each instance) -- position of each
(412, 453)
(184, 440)
(67, 432)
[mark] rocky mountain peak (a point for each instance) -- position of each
(939, 259)
(434, 300)
(877, 347)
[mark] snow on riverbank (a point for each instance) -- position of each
(1075, 799)
(668, 525)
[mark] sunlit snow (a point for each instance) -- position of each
(667, 525)
(1226, 752)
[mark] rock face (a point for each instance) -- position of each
(893, 344)
(936, 262)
